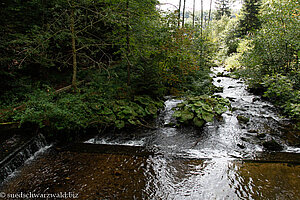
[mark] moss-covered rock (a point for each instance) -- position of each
(218, 89)
(242, 119)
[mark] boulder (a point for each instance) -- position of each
(272, 145)
(242, 119)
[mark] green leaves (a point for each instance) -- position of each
(197, 110)
(219, 109)
(198, 122)
(76, 111)
(119, 124)
(207, 116)
(186, 115)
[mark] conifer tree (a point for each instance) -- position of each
(222, 7)
(249, 20)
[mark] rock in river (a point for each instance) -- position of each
(242, 119)
(272, 145)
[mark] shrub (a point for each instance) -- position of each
(278, 88)
(197, 110)
(232, 63)
(79, 111)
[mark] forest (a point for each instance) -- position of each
(68, 66)
(123, 99)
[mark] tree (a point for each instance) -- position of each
(179, 13)
(201, 17)
(276, 42)
(222, 7)
(249, 20)
(194, 13)
(128, 45)
(74, 55)
(209, 13)
(183, 11)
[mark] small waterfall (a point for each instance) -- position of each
(21, 155)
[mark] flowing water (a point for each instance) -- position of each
(224, 160)
(23, 154)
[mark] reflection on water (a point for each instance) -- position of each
(119, 176)
(266, 180)
(91, 175)
(218, 179)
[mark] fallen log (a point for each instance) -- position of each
(9, 123)
(64, 89)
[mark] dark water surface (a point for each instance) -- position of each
(224, 160)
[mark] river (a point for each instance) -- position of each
(226, 159)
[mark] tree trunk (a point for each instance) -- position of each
(209, 13)
(73, 48)
(201, 17)
(183, 12)
(127, 46)
(194, 13)
(179, 13)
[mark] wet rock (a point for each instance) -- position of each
(297, 145)
(219, 80)
(222, 74)
(241, 146)
(245, 139)
(265, 106)
(258, 91)
(262, 112)
(240, 82)
(272, 145)
(261, 135)
(234, 109)
(252, 131)
(242, 119)
(171, 124)
(231, 98)
(234, 76)
(217, 96)
(218, 89)
(255, 99)
(241, 109)
(231, 87)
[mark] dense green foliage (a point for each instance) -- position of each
(127, 56)
(77, 111)
(272, 60)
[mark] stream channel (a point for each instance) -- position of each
(224, 160)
